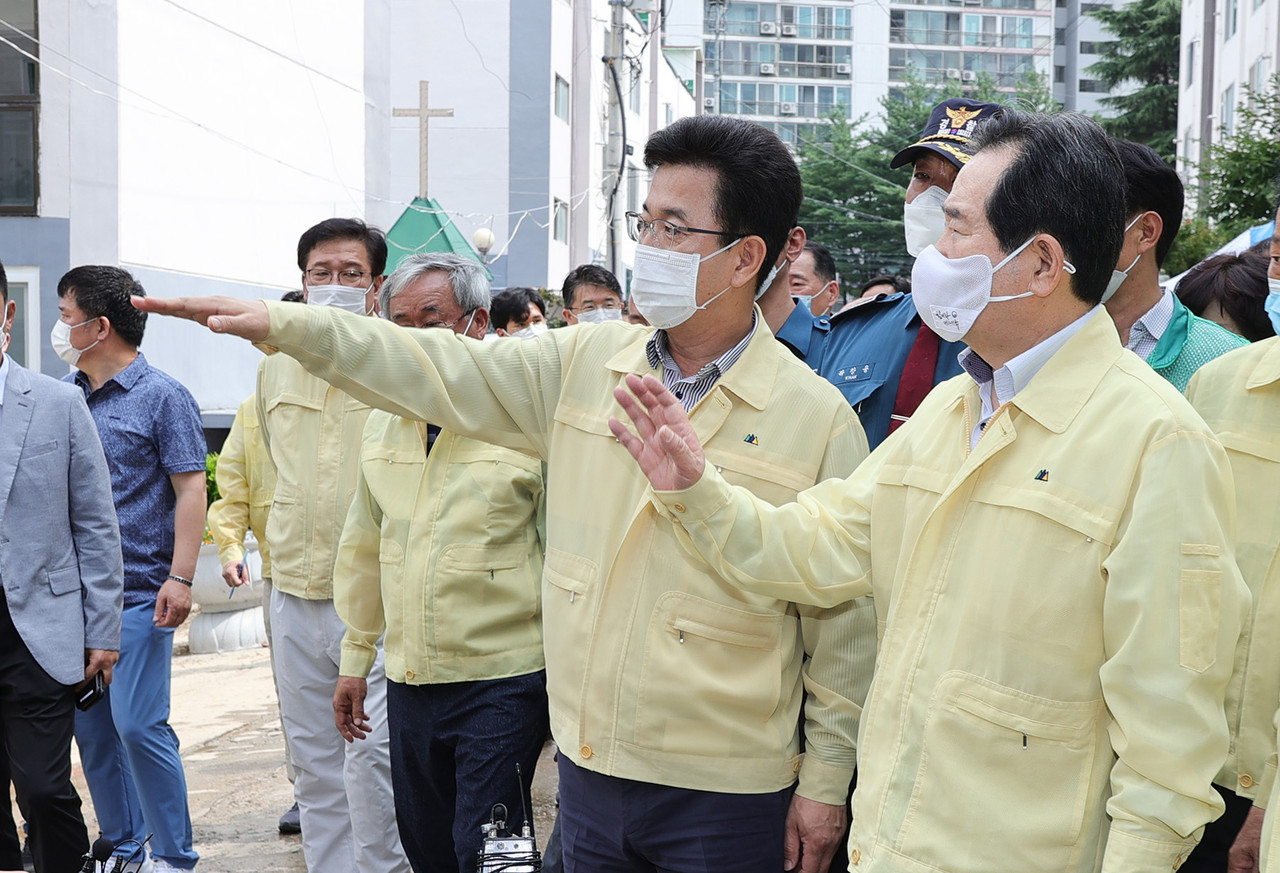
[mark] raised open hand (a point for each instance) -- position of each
(666, 448)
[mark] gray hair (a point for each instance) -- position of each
(468, 278)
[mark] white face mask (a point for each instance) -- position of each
(597, 316)
(339, 297)
(1118, 276)
(1273, 303)
(950, 293)
(664, 284)
(533, 331)
(923, 220)
(60, 337)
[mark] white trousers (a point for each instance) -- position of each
(343, 789)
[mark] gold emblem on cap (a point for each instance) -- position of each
(961, 116)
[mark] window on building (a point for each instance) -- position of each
(562, 99)
(1059, 36)
(24, 340)
(1257, 79)
(1092, 86)
(1092, 48)
(1059, 73)
(560, 221)
(1232, 16)
(1191, 63)
(19, 110)
(1229, 110)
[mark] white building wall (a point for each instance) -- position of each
(1227, 46)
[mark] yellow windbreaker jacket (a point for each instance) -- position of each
(443, 552)
(657, 670)
(312, 433)
(1239, 397)
(1059, 609)
(246, 480)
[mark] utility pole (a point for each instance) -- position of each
(615, 69)
(718, 7)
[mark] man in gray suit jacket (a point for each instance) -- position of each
(61, 589)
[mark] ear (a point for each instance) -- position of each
(795, 243)
(1151, 225)
(568, 316)
(480, 326)
(10, 312)
(751, 252)
(502, 332)
(1049, 269)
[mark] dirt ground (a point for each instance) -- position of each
(224, 712)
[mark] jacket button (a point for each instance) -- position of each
(586, 751)
(678, 507)
(1246, 781)
(408, 674)
(1177, 862)
(854, 856)
(795, 768)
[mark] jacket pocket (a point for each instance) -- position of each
(496, 589)
(711, 678)
(1199, 599)
(994, 759)
(568, 605)
(64, 581)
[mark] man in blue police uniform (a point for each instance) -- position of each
(879, 354)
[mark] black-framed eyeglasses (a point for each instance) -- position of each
(349, 278)
(665, 234)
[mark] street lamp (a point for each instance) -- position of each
(483, 239)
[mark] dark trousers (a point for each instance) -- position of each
(612, 825)
(1211, 855)
(454, 750)
(38, 717)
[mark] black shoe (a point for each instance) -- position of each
(291, 822)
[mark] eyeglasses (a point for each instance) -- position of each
(448, 324)
(665, 234)
(591, 306)
(349, 278)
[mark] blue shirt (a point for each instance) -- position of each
(862, 352)
(150, 429)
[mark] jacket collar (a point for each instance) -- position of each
(1066, 382)
(1267, 370)
(750, 378)
(1173, 338)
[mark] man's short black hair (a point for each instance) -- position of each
(375, 241)
(105, 291)
(900, 284)
(824, 266)
(4, 285)
(294, 296)
(588, 274)
(758, 189)
(1151, 185)
(512, 304)
(1065, 180)
(1237, 283)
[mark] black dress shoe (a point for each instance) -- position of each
(291, 822)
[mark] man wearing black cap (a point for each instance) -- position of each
(879, 354)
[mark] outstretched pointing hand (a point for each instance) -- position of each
(246, 318)
(667, 449)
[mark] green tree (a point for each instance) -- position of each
(853, 201)
(1238, 176)
(1145, 52)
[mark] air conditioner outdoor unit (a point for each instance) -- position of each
(768, 70)
(709, 102)
(768, 28)
(843, 69)
(953, 74)
(969, 76)
(789, 30)
(786, 109)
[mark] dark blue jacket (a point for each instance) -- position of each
(862, 352)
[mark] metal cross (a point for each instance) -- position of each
(423, 113)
